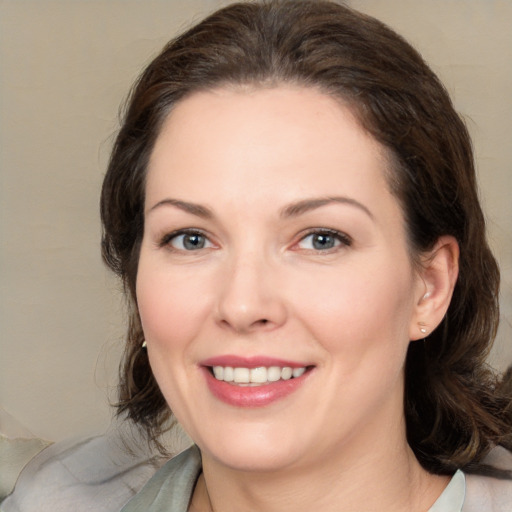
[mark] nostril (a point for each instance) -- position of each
(262, 322)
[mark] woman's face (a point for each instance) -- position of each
(275, 288)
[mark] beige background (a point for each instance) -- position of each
(65, 66)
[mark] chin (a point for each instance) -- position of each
(257, 461)
(251, 451)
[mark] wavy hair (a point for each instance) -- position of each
(456, 408)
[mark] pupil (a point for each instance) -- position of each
(193, 242)
(323, 242)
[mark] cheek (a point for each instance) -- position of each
(171, 306)
(359, 311)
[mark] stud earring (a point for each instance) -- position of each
(423, 327)
(144, 344)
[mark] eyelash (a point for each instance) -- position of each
(342, 238)
(168, 238)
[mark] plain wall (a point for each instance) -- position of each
(65, 67)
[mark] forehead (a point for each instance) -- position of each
(292, 135)
(252, 111)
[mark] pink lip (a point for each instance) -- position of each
(250, 362)
(251, 396)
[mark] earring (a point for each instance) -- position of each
(144, 344)
(423, 328)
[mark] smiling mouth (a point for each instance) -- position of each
(259, 376)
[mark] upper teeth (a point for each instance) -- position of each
(258, 375)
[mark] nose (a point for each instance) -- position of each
(250, 298)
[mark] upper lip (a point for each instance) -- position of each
(251, 362)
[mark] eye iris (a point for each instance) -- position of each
(193, 241)
(323, 241)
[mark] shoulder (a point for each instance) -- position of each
(490, 494)
(96, 473)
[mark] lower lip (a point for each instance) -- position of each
(253, 396)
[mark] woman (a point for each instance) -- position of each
(291, 205)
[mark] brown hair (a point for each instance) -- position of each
(454, 406)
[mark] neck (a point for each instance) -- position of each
(385, 476)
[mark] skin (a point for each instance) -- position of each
(259, 287)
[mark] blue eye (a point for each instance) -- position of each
(188, 241)
(323, 240)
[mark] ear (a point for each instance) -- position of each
(437, 277)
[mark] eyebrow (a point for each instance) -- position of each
(292, 210)
(306, 205)
(193, 208)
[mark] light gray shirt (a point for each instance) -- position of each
(170, 490)
(99, 475)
